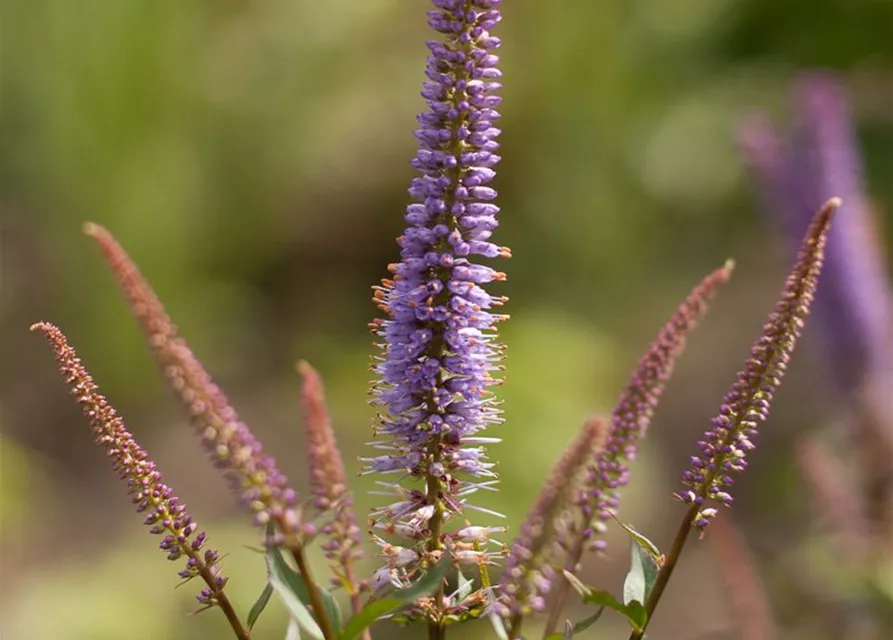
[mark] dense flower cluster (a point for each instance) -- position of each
(725, 446)
(165, 514)
(438, 337)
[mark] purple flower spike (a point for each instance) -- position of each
(529, 573)
(794, 175)
(635, 408)
(438, 339)
(253, 474)
(854, 306)
(747, 404)
(165, 514)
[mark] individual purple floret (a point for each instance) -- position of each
(165, 514)
(438, 339)
(747, 404)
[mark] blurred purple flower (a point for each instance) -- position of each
(438, 340)
(794, 176)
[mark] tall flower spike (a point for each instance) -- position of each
(854, 307)
(794, 175)
(331, 496)
(253, 474)
(747, 404)
(528, 574)
(165, 513)
(438, 339)
(636, 405)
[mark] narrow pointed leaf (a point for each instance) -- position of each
(260, 605)
(289, 584)
(634, 612)
(290, 588)
(374, 610)
(649, 547)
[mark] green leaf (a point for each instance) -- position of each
(643, 572)
(634, 584)
(646, 544)
(260, 605)
(581, 626)
(634, 612)
(294, 630)
(289, 580)
(290, 588)
(374, 610)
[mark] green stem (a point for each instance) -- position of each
(436, 630)
(666, 570)
(319, 610)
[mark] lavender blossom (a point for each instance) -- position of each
(635, 408)
(331, 496)
(747, 404)
(529, 574)
(794, 176)
(438, 340)
(166, 515)
(253, 475)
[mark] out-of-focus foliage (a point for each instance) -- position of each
(252, 155)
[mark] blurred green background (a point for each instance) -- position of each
(252, 155)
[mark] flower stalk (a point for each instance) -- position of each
(438, 338)
(253, 475)
(747, 404)
(166, 515)
(609, 472)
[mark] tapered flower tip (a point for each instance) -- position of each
(728, 268)
(95, 230)
(309, 374)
